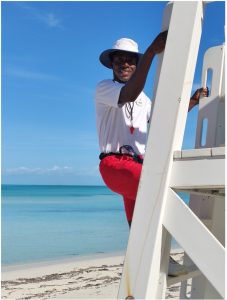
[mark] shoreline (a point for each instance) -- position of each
(60, 261)
(91, 277)
(67, 259)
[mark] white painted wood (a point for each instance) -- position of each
(203, 289)
(177, 154)
(218, 151)
(196, 153)
(165, 26)
(201, 152)
(184, 284)
(207, 223)
(198, 173)
(202, 206)
(194, 272)
(164, 266)
(204, 192)
(206, 251)
(146, 263)
(140, 277)
(218, 219)
(212, 108)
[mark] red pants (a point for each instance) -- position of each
(122, 174)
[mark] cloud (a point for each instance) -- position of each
(39, 171)
(54, 170)
(49, 19)
(28, 74)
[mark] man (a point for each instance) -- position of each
(123, 112)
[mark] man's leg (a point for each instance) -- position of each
(129, 209)
(122, 174)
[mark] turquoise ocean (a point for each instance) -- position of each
(44, 223)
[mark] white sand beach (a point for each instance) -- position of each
(90, 278)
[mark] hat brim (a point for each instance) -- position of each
(105, 56)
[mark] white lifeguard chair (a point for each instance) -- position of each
(160, 213)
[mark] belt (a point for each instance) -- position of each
(137, 158)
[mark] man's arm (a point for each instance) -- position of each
(136, 83)
(196, 96)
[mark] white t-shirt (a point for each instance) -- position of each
(113, 122)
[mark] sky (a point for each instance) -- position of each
(50, 69)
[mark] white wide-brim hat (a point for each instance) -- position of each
(123, 44)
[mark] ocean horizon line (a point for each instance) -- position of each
(24, 184)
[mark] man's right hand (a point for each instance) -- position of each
(158, 45)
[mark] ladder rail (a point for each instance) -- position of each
(142, 262)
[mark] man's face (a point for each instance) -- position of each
(124, 65)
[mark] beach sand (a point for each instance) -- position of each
(90, 278)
